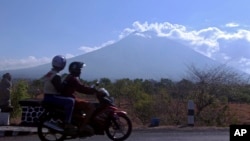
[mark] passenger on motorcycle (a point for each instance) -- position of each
(53, 88)
(73, 84)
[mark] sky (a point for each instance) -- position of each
(33, 31)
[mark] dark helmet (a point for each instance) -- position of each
(75, 68)
(59, 62)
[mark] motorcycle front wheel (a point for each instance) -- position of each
(48, 130)
(120, 128)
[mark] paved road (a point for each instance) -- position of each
(151, 135)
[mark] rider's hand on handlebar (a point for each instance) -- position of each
(100, 94)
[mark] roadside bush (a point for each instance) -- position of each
(19, 92)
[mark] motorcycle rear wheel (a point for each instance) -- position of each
(48, 134)
(120, 128)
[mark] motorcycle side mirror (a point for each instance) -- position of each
(92, 86)
(95, 85)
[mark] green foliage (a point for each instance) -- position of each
(143, 108)
(19, 92)
(210, 89)
(35, 88)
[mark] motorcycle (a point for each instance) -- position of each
(107, 118)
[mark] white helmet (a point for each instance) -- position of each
(59, 62)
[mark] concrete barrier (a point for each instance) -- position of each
(31, 110)
(16, 131)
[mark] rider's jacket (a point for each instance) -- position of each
(72, 84)
(49, 88)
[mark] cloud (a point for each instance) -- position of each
(126, 32)
(87, 49)
(143, 35)
(210, 41)
(221, 44)
(31, 61)
(242, 63)
(68, 55)
(232, 25)
(205, 41)
(245, 61)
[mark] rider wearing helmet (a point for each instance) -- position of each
(53, 88)
(73, 84)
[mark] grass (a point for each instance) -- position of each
(241, 112)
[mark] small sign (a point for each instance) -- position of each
(239, 132)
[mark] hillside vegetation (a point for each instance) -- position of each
(221, 97)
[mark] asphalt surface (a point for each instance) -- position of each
(144, 136)
(22, 130)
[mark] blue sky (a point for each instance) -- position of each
(33, 31)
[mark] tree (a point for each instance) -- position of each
(213, 85)
(121, 89)
(105, 81)
(143, 107)
(35, 88)
(20, 92)
(184, 89)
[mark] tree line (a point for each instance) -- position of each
(211, 90)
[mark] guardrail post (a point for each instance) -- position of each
(5, 115)
(4, 118)
(190, 113)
